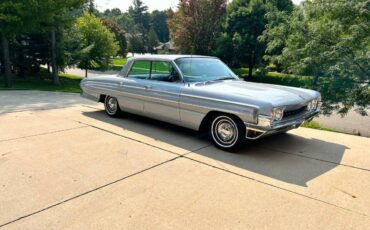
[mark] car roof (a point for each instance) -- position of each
(166, 57)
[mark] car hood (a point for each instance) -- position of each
(258, 93)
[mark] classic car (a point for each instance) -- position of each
(202, 93)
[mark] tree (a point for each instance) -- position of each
(159, 23)
(126, 22)
(141, 18)
(245, 22)
(196, 25)
(16, 17)
(140, 15)
(274, 35)
(29, 51)
(98, 43)
(119, 34)
(281, 5)
(113, 13)
(152, 40)
(55, 15)
(328, 40)
(135, 42)
(91, 6)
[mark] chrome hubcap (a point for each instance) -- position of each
(111, 105)
(224, 131)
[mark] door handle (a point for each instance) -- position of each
(121, 84)
(148, 87)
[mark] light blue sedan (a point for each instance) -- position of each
(202, 93)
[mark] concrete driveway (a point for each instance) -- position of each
(65, 165)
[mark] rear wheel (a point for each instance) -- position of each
(227, 132)
(111, 106)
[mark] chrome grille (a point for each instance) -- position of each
(294, 112)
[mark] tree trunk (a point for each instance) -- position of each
(252, 62)
(250, 71)
(2, 71)
(54, 66)
(7, 71)
(22, 69)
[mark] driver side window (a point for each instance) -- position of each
(164, 71)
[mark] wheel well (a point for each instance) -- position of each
(102, 98)
(208, 119)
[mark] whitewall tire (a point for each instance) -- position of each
(227, 132)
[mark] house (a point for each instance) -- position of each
(166, 48)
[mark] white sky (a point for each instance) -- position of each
(152, 4)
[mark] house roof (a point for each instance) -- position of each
(168, 45)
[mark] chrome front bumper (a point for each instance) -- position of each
(264, 127)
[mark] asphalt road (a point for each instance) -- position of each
(65, 165)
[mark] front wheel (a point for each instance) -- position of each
(111, 106)
(227, 132)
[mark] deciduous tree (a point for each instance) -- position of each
(245, 22)
(196, 25)
(98, 43)
(329, 40)
(120, 35)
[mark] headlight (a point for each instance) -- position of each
(278, 114)
(310, 106)
(313, 105)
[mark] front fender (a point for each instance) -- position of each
(193, 109)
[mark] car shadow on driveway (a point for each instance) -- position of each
(288, 158)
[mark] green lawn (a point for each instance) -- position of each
(318, 126)
(117, 64)
(69, 83)
(119, 61)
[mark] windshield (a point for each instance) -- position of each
(204, 69)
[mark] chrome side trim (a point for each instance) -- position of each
(219, 100)
(102, 84)
(192, 107)
(162, 101)
(164, 92)
(132, 87)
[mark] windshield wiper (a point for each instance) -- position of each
(225, 78)
(219, 79)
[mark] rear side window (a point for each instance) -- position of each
(140, 70)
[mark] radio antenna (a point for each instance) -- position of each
(191, 58)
